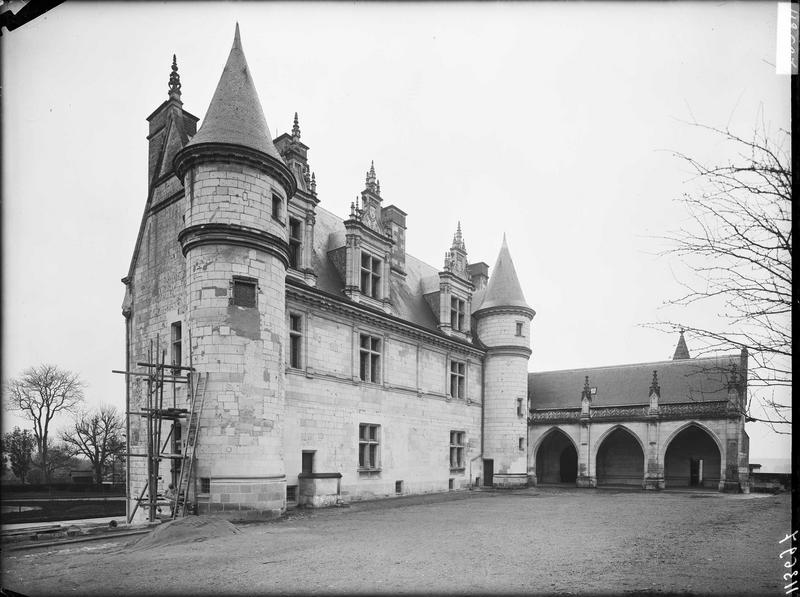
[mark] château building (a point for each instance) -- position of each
(340, 367)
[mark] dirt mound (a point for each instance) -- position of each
(185, 530)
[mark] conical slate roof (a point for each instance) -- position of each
(235, 114)
(503, 289)
(681, 351)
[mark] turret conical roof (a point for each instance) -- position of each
(504, 289)
(235, 115)
(681, 350)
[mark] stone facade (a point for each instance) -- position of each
(339, 367)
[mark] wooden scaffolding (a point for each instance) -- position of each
(180, 450)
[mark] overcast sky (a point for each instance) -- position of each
(552, 123)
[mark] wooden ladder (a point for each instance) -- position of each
(187, 462)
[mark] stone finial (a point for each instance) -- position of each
(378, 187)
(654, 387)
(296, 129)
(458, 239)
(372, 181)
(174, 80)
(313, 184)
(587, 391)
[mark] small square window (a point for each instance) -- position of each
(398, 487)
(291, 493)
(205, 485)
(277, 207)
(522, 443)
(519, 328)
(244, 292)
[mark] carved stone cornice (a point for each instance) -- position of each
(234, 234)
(324, 301)
(635, 412)
(503, 310)
(510, 349)
(236, 154)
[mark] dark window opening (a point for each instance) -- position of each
(177, 345)
(457, 450)
(519, 407)
(398, 487)
(368, 443)
(450, 484)
(295, 242)
(291, 493)
(457, 376)
(277, 207)
(519, 328)
(205, 485)
(457, 314)
(244, 292)
(308, 462)
(370, 275)
(370, 358)
(295, 340)
(522, 443)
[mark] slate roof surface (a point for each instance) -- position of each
(406, 295)
(235, 114)
(685, 380)
(503, 289)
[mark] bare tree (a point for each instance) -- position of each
(98, 436)
(738, 241)
(56, 467)
(18, 445)
(41, 393)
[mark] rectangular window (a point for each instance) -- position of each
(295, 340)
(370, 275)
(244, 292)
(519, 328)
(398, 487)
(308, 462)
(519, 407)
(291, 493)
(205, 485)
(457, 310)
(457, 376)
(522, 443)
(177, 344)
(368, 446)
(370, 361)
(277, 207)
(457, 450)
(295, 242)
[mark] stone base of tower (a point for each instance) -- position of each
(244, 498)
(585, 481)
(510, 480)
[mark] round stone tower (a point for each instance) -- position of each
(503, 323)
(235, 242)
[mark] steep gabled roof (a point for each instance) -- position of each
(235, 115)
(685, 380)
(503, 289)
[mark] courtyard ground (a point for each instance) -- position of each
(531, 541)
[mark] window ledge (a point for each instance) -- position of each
(457, 470)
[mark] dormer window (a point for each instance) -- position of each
(295, 242)
(457, 310)
(370, 276)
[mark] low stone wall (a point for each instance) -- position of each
(319, 490)
(244, 498)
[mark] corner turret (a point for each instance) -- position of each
(502, 323)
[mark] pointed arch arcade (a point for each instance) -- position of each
(556, 458)
(619, 458)
(693, 457)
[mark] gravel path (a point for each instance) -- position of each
(533, 541)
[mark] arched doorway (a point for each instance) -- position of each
(692, 459)
(556, 459)
(620, 460)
